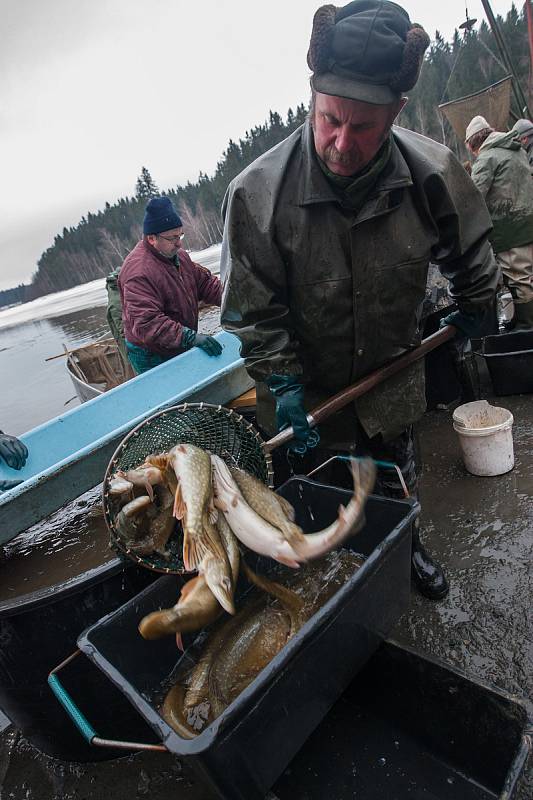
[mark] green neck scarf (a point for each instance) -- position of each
(355, 188)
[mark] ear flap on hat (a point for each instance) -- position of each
(416, 43)
(323, 23)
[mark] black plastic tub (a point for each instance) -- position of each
(509, 358)
(245, 750)
(39, 630)
(412, 728)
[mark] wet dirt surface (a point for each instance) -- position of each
(479, 528)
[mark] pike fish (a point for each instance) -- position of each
(133, 525)
(269, 506)
(145, 527)
(197, 606)
(145, 477)
(241, 647)
(194, 503)
(266, 539)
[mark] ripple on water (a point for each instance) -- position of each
(64, 545)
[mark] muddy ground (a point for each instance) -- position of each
(479, 528)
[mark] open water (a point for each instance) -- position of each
(34, 390)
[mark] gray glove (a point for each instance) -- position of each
(208, 344)
(13, 451)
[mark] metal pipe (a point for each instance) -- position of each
(506, 56)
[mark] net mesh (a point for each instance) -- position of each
(493, 103)
(216, 429)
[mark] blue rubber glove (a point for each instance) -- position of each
(13, 451)
(208, 344)
(290, 411)
(470, 325)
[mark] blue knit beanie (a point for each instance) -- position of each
(160, 215)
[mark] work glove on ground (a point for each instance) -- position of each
(13, 451)
(470, 325)
(290, 412)
(208, 344)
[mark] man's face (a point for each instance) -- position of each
(349, 133)
(168, 242)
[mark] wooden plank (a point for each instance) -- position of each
(246, 400)
(69, 454)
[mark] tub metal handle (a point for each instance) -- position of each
(382, 464)
(81, 721)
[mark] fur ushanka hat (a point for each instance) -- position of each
(368, 50)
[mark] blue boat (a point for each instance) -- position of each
(69, 454)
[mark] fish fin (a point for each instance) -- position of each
(193, 552)
(179, 504)
(160, 461)
(220, 504)
(212, 511)
(289, 562)
(286, 507)
(292, 603)
(213, 542)
(179, 642)
(188, 587)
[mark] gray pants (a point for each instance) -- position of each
(517, 268)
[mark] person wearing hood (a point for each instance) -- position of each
(501, 172)
(160, 288)
(327, 244)
(523, 129)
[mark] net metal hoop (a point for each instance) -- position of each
(217, 429)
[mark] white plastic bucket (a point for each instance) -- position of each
(486, 437)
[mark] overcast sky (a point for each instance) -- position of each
(92, 90)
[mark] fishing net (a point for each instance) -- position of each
(216, 429)
(493, 103)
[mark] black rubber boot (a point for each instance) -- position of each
(427, 575)
(523, 315)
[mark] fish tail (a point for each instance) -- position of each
(291, 602)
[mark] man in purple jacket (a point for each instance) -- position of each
(160, 288)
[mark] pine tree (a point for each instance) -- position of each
(145, 188)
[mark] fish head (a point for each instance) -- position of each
(118, 485)
(132, 521)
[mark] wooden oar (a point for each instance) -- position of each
(342, 398)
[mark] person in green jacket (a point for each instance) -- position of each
(114, 314)
(523, 129)
(327, 242)
(501, 172)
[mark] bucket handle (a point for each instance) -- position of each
(81, 721)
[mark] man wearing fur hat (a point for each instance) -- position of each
(328, 238)
(160, 288)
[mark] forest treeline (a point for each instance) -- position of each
(101, 240)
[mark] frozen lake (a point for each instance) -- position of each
(35, 390)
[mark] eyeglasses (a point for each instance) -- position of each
(173, 239)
